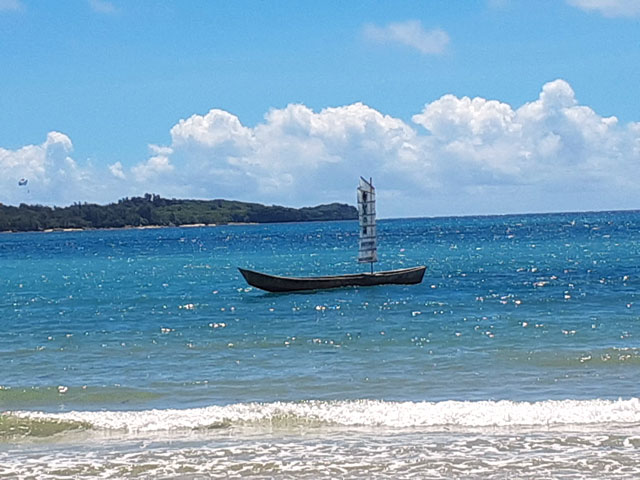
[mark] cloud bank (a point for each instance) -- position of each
(455, 156)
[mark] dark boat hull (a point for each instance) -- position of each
(273, 283)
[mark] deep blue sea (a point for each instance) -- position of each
(142, 353)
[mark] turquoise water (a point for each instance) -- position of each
(143, 352)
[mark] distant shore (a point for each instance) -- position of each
(137, 227)
(153, 211)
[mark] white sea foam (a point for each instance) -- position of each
(360, 454)
(365, 413)
(356, 440)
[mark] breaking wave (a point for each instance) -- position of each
(359, 413)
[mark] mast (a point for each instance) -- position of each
(368, 244)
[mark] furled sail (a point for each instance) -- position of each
(367, 216)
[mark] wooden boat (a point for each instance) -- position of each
(274, 283)
(368, 245)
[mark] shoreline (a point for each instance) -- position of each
(153, 227)
(198, 225)
(126, 227)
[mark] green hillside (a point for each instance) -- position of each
(155, 210)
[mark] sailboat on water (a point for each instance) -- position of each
(368, 253)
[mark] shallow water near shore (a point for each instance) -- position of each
(142, 353)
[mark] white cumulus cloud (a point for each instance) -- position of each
(157, 166)
(54, 177)
(609, 8)
(117, 171)
(411, 34)
(281, 158)
(48, 168)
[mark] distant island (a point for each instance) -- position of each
(153, 210)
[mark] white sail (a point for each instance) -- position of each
(367, 216)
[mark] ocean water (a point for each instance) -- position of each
(143, 354)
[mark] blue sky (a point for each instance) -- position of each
(470, 107)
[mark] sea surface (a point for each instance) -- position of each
(144, 354)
